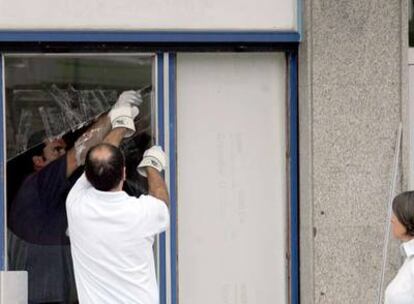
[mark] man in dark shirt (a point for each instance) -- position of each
(37, 239)
(37, 224)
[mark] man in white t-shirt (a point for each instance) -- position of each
(112, 233)
(37, 220)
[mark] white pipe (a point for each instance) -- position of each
(389, 214)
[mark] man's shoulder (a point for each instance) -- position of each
(143, 198)
(28, 191)
(54, 170)
(151, 203)
(142, 201)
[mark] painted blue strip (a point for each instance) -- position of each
(299, 10)
(152, 36)
(161, 141)
(294, 177)
(2, 169)
(173, 175)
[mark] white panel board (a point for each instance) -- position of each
(231, 162)
(148, 15)
(13, 287)
(411, 116)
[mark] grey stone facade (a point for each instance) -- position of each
(352, 96)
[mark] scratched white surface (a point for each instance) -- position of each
(231, 160)
(148, 15)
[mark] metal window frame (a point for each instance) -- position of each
(152, 36)
(161, 142)
(294, 175)
(273, 39)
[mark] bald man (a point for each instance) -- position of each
(112, 233)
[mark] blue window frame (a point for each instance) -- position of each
(161, 142)
(152, 36)
(279, 40)
(294, 176)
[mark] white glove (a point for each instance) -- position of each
(129, 99)
(153, 157)
(125, 110)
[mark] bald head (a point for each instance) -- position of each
(104, 167)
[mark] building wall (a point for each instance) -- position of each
(149, 15)
(352, 95)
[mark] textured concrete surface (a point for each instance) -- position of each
(305, 163)
(351, 100)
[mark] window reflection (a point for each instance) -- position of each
(50, 102)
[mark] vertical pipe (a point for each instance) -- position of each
(389, 213)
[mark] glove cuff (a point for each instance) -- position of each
(149, 161)
(125, 122)
(121, 118)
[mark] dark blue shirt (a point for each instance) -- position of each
(38, 214)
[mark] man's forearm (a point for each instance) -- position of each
(156, 185)
(96, 132)
(94, 135)
(115, 136)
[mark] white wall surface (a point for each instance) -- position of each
(411, 115)
(148, 15)
(231, 162)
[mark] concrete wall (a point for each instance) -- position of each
(352, 96)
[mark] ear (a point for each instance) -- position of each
(38, 161)
(124, 174)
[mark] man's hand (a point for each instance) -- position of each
(153, 162)
(125, 110)
(154, 157)
(130, 98)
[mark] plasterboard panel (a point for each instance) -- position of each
(411, 123)
(13, 287)
(411, 56)
(148, 15)
(231, 162)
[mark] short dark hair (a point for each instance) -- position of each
(403, 208)
(104, 173)
(36, 143)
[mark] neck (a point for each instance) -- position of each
(118, 188)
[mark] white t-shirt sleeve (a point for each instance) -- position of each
(155, 217)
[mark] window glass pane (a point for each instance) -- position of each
(57, 97)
